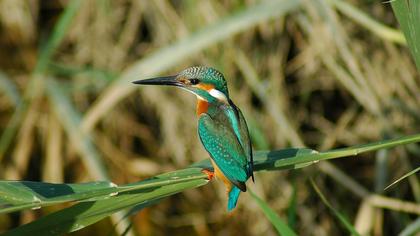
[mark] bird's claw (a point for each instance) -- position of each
(209, 173)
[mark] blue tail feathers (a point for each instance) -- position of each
(233, 197)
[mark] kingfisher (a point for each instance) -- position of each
(221, 127)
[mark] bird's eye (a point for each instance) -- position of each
(194, 81)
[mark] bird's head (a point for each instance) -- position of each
(205, 82)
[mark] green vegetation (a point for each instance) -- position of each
(324, 74)
(101, 199)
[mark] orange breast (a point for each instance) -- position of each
(202, 106)
(219, 174)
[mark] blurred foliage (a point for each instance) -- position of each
(321, 76)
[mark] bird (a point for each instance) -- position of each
(221, 127)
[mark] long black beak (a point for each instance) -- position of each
(166, 80)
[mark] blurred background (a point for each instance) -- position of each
(321, 74)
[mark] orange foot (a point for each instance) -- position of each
(209, 173)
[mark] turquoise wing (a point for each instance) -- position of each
(225, 149)
(245, 139)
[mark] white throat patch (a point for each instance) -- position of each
(218, 95)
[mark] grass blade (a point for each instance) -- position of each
(403, 177)
(289, 160)
(411, 229)
(408, 15)
(20, 195)
(366, 21)
(281, 227)
(340, 216)
(86, 213)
